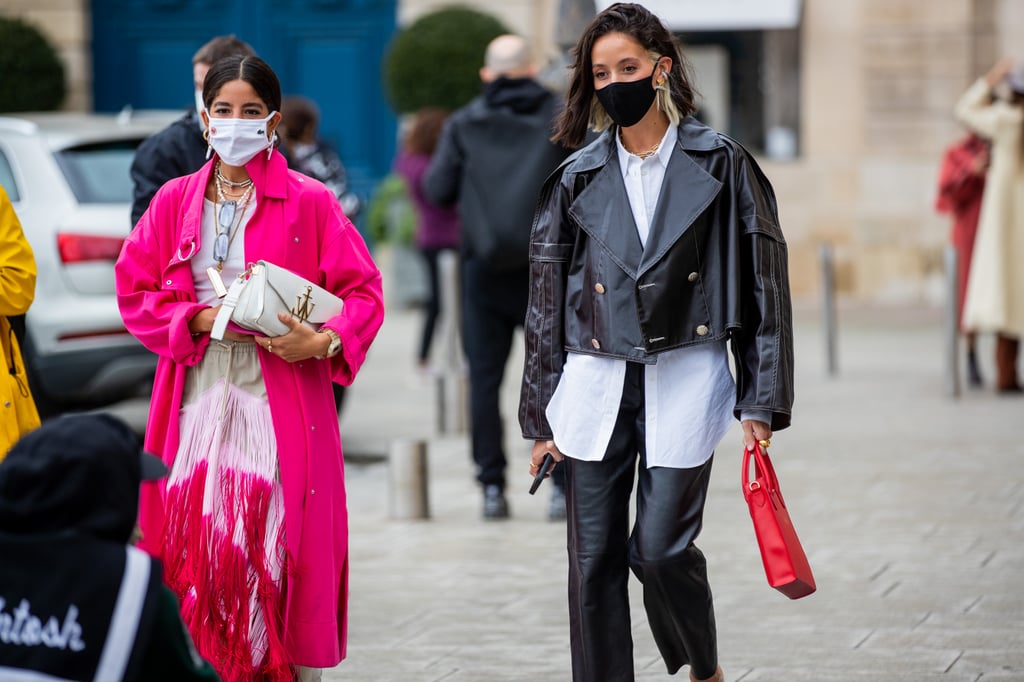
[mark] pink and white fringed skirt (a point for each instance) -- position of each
(224, 538)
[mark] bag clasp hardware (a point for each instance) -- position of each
(303, 305)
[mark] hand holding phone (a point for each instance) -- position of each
(542, 472)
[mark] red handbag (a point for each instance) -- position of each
(785, 563)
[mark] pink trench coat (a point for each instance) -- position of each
(297, 225)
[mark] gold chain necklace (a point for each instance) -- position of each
(244, 184)
(644, 154)
(239, 207)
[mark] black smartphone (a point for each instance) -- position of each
(541, 473)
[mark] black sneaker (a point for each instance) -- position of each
(495, 504)
(556, 508)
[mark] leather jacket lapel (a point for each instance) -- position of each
(685, 192)
(604, 213)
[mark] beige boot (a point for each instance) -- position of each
(719, 676)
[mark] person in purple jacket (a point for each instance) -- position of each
(437, 227)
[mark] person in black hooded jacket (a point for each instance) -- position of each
(491, 161)
(77, 602)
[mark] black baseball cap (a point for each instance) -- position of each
(76, 472)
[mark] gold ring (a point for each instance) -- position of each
(765, 443)
(270, 346)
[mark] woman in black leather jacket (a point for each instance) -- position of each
(654, 250)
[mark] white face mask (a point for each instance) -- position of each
(238, 140)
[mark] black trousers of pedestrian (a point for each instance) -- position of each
(659, 550)
(432, 306)
(493, 305)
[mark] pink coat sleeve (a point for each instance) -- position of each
(349, 272)
(155, 293)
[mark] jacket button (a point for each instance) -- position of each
(692, 277)
(595, 343)
(702, 330)
(599, 288)
(169, 282)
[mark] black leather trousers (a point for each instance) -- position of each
(659, 550)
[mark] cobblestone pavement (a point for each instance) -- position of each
(910, 504)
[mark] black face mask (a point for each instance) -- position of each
(627, 103)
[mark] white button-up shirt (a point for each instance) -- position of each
(689, 394)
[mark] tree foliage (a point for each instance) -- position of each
(436, 60)
(31, 74)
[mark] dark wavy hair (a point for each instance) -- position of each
(425, 130)
(220, 47)
(250, 69)
(582, 110)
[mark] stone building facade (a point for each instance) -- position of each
(876, 81)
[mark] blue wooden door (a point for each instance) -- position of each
(328, 50)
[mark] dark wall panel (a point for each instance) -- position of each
(328, 50)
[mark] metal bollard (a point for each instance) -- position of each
(451, 377)
(407, 480)
(451, 402)
(952, 323)
(828, 286)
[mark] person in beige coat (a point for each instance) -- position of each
(994, 108)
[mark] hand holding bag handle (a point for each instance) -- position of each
(785, 563)
(227, 308)
(264, 290)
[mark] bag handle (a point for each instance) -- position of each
(227, 306)
(230, 302)
(764, 473)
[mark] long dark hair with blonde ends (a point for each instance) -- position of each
(642, 26)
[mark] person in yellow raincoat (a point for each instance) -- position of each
(17, 289)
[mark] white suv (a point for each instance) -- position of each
(68, 177)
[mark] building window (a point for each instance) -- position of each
(750, 86)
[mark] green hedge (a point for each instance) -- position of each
(436, 60)
(391, 216)
(31, 74)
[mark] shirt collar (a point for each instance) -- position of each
(664, 153)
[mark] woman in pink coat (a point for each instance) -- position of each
(251, 522)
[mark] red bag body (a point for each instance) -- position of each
(785, 563)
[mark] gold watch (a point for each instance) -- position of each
(335, 346)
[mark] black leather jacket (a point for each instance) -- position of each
(714, 267)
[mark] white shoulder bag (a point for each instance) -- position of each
(264, 290)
